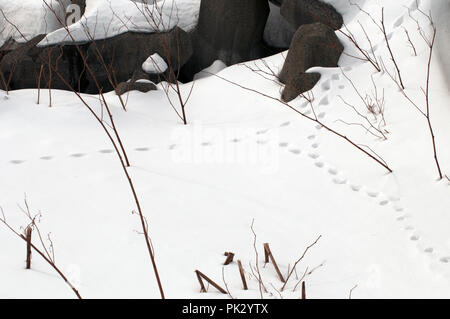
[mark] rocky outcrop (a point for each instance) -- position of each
(299, 84)
(26, 65)
(143, 87)
(300, 12)
(124, 54)
(230, 31)
(313, 45)
(115, 55)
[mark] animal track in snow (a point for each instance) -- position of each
(403, 217)
(285, 124)
(355, 188)
(106, 151)
(340, 180)
(295, 151)
(311, 137)
(372, 194)
(326, 85)
(384, 202)
(314, 155)
(46, 158)
(398, 22)
(332, 171)
(262, 132)
(319, 164)
(303, 105)
(142, 149)
(324, 101)
(78, 155)
(17, 162)
(315, 145)
(398, 209)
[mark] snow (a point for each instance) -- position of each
(25, 11)
(102, 19)
(242, 157)
(105, 18)
(214, 68)
(155, 64)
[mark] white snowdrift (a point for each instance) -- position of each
(242, 157)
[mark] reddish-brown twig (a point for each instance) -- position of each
(201, 276)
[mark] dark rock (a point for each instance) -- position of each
(313, 45)
(144, 87)
(125, 53)
(13, 51)
(230, 31)
(24, 62)
(299, 84)
(300, 12)
(122, 55)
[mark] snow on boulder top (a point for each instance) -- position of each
(31, 17)
(108, 18)
(155, 64)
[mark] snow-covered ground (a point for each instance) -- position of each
(242, 157)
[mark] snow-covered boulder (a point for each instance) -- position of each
(123, 54)
(106, 19)
(25, 19)
(126, 53)
(155, 64)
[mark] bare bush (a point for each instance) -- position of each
(255, 276)
(309, 97)
(153, 14)
(43, 249)
(425, 109)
